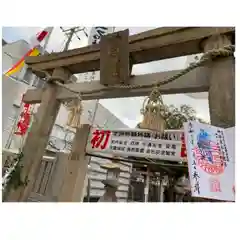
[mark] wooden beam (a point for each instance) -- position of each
(157, 44)
(195, 81)
(114, 60)
(37, 139)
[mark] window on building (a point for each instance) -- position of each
(61, 137)
(28, 76)
(8, 125)
(38, 82)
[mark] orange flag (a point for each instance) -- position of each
(15, 68)
(35, 42)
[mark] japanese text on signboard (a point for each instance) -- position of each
(136, 143)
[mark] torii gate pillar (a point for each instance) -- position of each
(74, 177)
(37, 139)
(221, 84)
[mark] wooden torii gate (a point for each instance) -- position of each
(115, 56)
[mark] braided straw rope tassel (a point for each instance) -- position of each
(153, 110)
(75, 109)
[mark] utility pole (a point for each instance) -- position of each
(70, 33)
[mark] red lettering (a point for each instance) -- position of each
(24, 121)
(98, 138)
(215, 185)
(183, 147)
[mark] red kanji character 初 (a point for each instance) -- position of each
(98, 138)
(215, 185)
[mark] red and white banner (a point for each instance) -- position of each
(136, 143)
(25, 120)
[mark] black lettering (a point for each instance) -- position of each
(140, 134)
(162, 152)
(167, 153)
(148, 151)
(147, 135)
(192, 140)
(167, 145)
(160, 145)
(155, 136)
(173, 153)
(134, 143)
(127, 134)
(149, 144)
(141, 150)
(101, 32)
(173, 146)
(197, 187)
(190, 128)
(103, 28)
(133, 134)
(195, 176)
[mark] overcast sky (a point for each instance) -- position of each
(128, 109)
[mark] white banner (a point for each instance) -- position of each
(135, 142)
(97, 32)
(211, 162)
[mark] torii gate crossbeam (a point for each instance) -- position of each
(195, 81)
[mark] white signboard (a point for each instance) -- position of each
(136, 143)
(211, 161)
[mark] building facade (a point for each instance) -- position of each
(61, 137)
